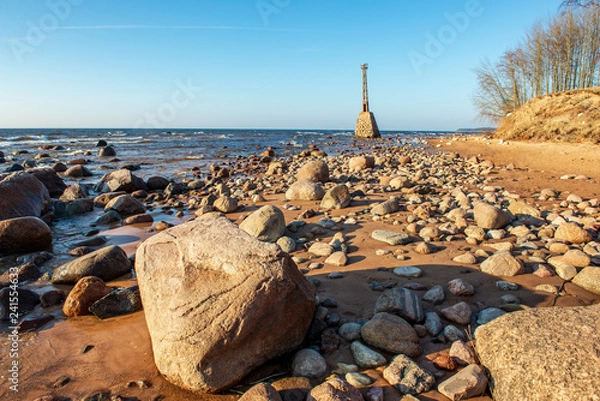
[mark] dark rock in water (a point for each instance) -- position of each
(91, 232)
(1, 153)
(77, 161)
(132, 167)
(107, 263)
(25, 272)
(22, 194)
(52, 297)
(138, 219)
(59, 167)
(125, 205)
(40, 258)
(15, 167)
(81, 250)
(101, 143)
(101, 200)
(27, 302)
(78, 171)
(50, 179)
(24, 234)
(73, 208)
(32, 323)
(121, 301)
(2, 160)
(107, 151)
(29, 164)
(108, 218)
(73, 192)
(175, 188)
(95, 241)
(220, 302)
(157, 183)
(120, 180)
(88, 290)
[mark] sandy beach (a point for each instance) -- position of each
(115, 355)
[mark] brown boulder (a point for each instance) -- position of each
(120, 180)
(219, 303)
(24, 234)
(50, 179)
(22, 194)
(87, 291)
(314, 171)
(573, 233)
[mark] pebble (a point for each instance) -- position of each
(460, 287)
(435, 295)
(408, 271)
(358, 380)
(365, 357)
(335, 275)
(507, 286)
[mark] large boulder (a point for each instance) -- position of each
(548, 354)
(266, 224)
(24, 234)
(305, 190)
(359, 163)
(335, 389)
(219, 303)
(572, 232)
(107, 263)
(401, 302)
(50, 179)
(502, 263)
(87, 291)
(337, 197)
(589, 279)
(488, 216)
(120, 180)
(125, 205)
(314, 171)
(22, 194)
(392, 334)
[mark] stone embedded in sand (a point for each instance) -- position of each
(337, 197)
(359, 163)
(462, 353)
(401, 302)
(266, 224)
(408, 377)
(576, 258)
(24, 234)
(226, 204)
(120, 180)
(121, 301)
(430, 233)
(125, 205)
(489, 314)
(107, 263)
(563, 270)
(87, 291)
(522, 208)
(293, 388)
(335, 389)
(305, 190)
(21, 195)
(469, 382)
(308, 363)
(460, 287)
(569, 366)
(588, 279)
(261, 392)
(572, 233)
(219, 303)
(337, 259)
(350, 331)
(408, 271)
(435, 295)
(433, 323)
(315, 170)
(388, 207)
(399, 183)
(365, 357)
(466, 258)
(459, 313)
(502, 263)
(488, 216)
(287, 244)
(392, 334)
(391, 237)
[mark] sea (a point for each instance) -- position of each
(174, 152)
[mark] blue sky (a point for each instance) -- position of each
(250, 63)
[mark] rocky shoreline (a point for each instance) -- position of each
(408, 250)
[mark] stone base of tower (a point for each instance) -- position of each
(366, 126)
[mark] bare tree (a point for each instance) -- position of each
(580, 3)
(561, 54)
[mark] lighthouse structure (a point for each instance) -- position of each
(366, 126)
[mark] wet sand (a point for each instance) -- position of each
(122, 354)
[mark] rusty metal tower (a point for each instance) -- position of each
(364, 69)
(366, 126)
